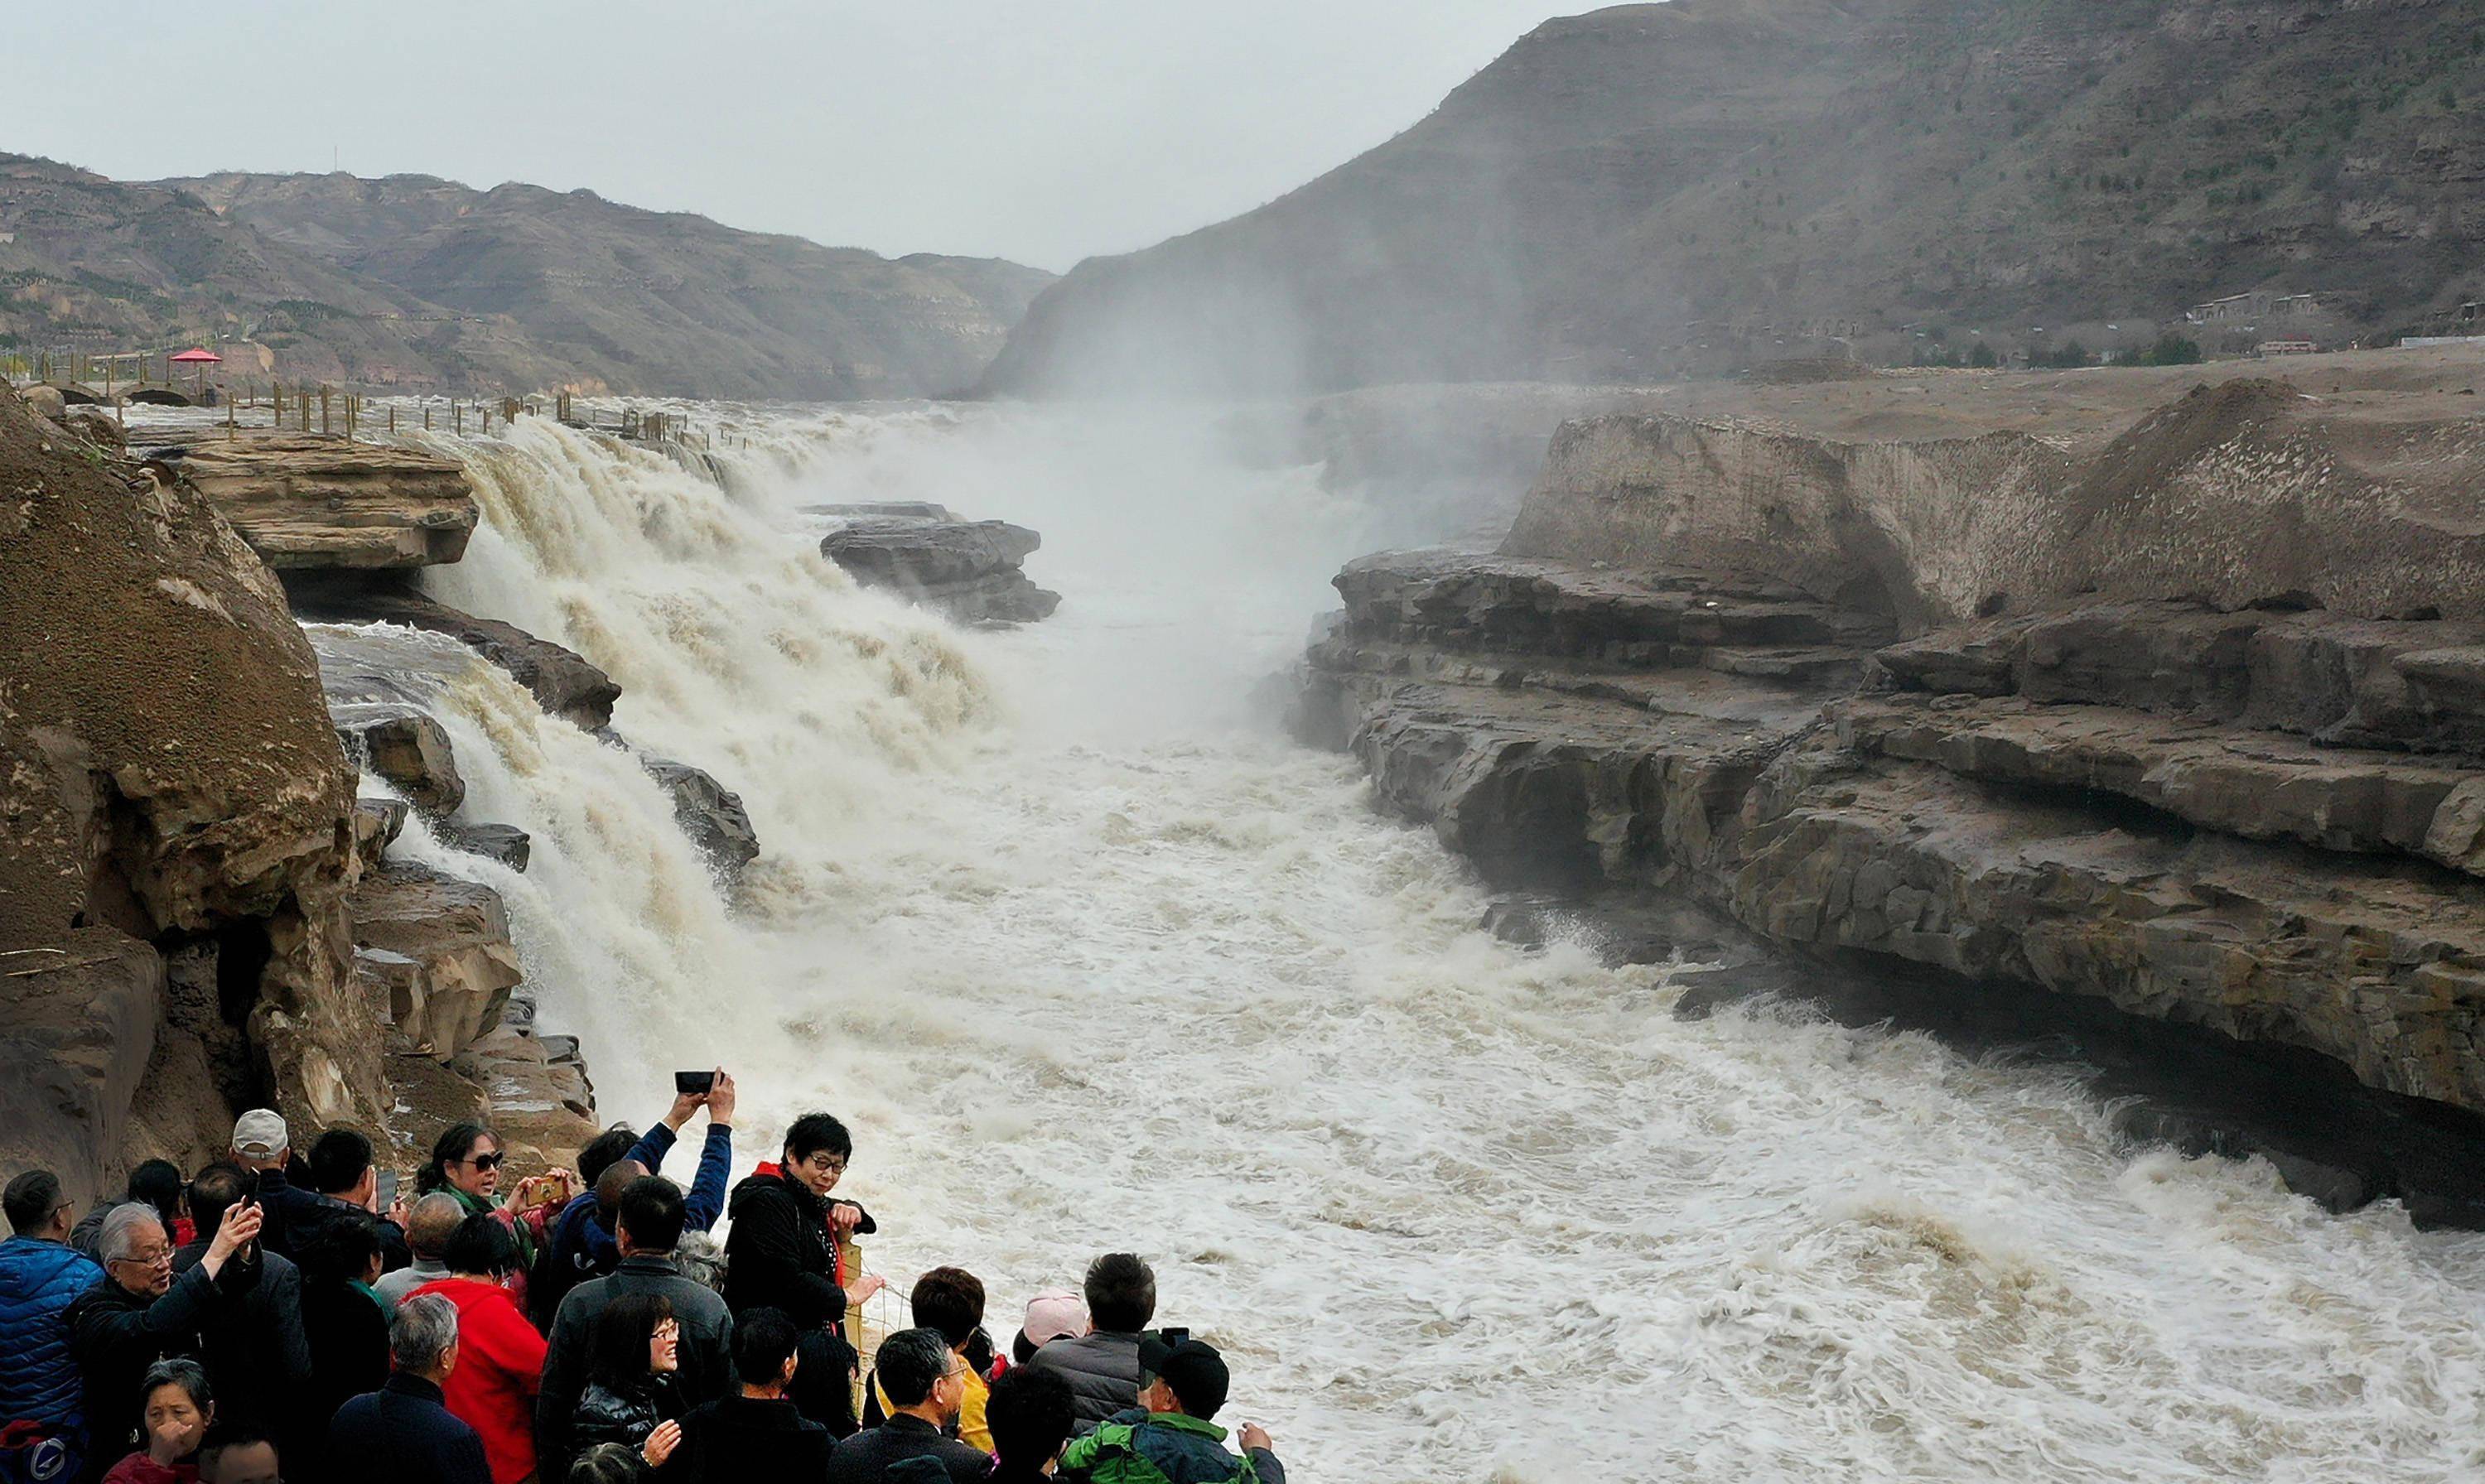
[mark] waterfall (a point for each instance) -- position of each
(1088, 962)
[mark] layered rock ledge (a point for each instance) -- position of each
(302, 501)
(2224, 806)
(971, 570)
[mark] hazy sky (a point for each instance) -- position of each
(1043, 130)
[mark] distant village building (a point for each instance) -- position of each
(7, 238)
(2260, 304)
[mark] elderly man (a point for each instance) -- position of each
(140, 1314)
(40, 1277)
(262, 1148)
(427, 1228)
(402, 1433)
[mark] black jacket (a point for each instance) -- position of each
(735, 1438)
(350, 1348)
(624, 1414)
(116, 1334)
(779, 1255)
(401, 1434)
(706, 1349)
(866, 1457)
(303, 1215)
(255, 1347)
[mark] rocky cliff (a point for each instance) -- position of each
(2192, 727)
(197, 912)
(2248, 493)
(180, 835)
(1713, 183)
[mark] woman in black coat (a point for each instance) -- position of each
(630, 1397)
(781, 1254)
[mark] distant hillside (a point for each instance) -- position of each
(1706, 184)
(646, 301)
(424, 282)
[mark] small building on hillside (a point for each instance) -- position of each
(2258, 306)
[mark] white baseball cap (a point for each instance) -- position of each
(259, 1134)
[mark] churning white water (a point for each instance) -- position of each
(1089, 962)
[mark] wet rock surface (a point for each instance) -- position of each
(562, 679)
(971, 570)
(506, 843)
(405, 745)
(709, 813)
(2237, 850)
(441, 948)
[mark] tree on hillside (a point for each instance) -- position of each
(2171, 349)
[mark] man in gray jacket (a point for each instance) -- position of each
(649, 1226)
(1103, 1366)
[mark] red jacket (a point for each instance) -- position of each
(141, 1468)
(500, 1370)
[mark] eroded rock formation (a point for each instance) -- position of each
(173, 787)
(304, 500)
(2264, 821)
(971, 570)
(561, 679)
(2246, 492)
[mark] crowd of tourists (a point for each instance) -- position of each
(286, 1314)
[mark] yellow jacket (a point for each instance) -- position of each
(972, 1428)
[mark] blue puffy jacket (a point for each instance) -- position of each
(40, 1381)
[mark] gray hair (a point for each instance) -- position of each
(120, 1232)
(702, 1259)
(422, 1332)
(188, 1375)
(434, 1218)
(606, 1463)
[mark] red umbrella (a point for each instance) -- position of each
(202, 358)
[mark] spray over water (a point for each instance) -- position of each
(1089, 963)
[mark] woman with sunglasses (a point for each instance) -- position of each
(631, 1398)
(466, 1162)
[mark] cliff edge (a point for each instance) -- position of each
(2188, 729)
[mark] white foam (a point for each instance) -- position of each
(1089, 963)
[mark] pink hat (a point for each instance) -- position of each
(1055, 1313)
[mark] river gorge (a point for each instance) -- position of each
(1091, 953)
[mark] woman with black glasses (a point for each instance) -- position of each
(466, 1162)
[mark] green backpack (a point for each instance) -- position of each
(1111, 1455)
